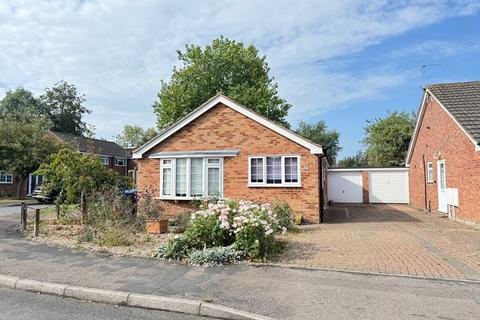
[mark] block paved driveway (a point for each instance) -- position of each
(394, 239)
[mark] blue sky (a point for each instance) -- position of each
(341, 61)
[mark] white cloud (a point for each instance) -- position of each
(117, 52)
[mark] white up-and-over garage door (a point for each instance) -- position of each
(345, 186)
(385, 185)
(388, 186)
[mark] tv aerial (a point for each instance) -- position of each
(421, 68)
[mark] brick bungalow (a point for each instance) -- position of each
(224, 149)
(111, 154)
(444, 154)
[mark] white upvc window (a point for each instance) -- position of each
(190, 178)
(274, 171)
(120, 161)
(105, 160)
(6, 178)
(430, 172)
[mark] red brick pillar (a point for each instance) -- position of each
(365, 186)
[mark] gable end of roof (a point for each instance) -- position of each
(140, 151)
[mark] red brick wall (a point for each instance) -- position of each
(365, 187)
(222, 128)
(10, 189)
(441, 138)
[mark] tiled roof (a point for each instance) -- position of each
(462, 100)
(83, 144)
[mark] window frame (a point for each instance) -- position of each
(6, 175)
(102, 157)
(283, 184)
(120, 158)
(205, 166)
(429, 177)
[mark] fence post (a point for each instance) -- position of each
(36, 225)
(57, 207)
(23, 216)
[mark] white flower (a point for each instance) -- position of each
(257, 242)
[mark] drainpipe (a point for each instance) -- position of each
(425, 183)
(320, 182)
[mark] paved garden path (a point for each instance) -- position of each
(277, 292)
(393, 239)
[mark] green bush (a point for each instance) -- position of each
(176, 248)
(284, 215)
(214, 256)
(181, 222)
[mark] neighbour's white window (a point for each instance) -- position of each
(188, 178)
(430, 172)
(133, 174)
(274, 171)
(120, 161)
(6, 178)
(105, 160)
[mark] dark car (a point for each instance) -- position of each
(42, 197)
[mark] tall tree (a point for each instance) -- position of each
(387, 139)
(65, 107)
(319, 133)
(24, 146)
(223, 66)
(21, 105)
(358, 160)
(134, 136)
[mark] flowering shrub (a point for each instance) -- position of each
(250, 227)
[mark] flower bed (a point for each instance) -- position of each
(227, 230)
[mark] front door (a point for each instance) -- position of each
(33, 182)
(442, 186)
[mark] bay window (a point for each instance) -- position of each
(271, 171)
(189, 178)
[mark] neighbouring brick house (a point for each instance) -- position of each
(111, 154)
(225, 149)
(444, 154)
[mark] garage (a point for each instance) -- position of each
(389, 186)
(368, 185)
(345, 186)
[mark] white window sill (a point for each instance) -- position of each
(265, 185)
(181, 198)
(6, 182)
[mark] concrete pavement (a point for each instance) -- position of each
(276, 292)
(18, 305)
